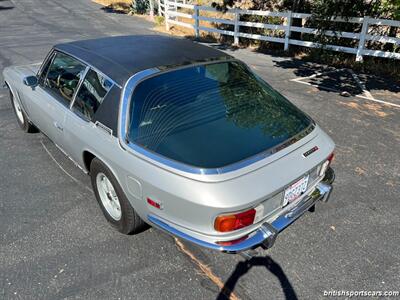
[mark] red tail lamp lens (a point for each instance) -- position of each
(153, 203)
(230, 243)
(331, 157)
(227, 223)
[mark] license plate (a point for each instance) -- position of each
(295, 190)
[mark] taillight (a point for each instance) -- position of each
(326, 164)
(236, 221)
(230, 243)
(331, 157)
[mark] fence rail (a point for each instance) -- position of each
(172, 10)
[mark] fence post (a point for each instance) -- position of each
(196, 21)
(361, 42)
(287, 30)
(236, 28)
(151, 4)
(166, 16)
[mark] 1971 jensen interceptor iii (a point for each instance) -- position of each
(177, 135)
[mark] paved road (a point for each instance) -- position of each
(54, 242)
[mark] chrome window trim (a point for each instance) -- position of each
(151, 156)
(89, 65)
(88, 68)
(78, 87)
(67, 105)
(50, 60)
(103, 127)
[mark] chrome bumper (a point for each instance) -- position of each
(266, 234)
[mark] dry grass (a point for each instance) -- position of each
(177, 30)
(371, 109)
(112, 2)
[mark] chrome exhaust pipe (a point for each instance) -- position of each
(325, 191)
(325, 186)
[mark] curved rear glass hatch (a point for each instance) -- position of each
(211, 116)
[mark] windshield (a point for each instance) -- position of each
(211, 116)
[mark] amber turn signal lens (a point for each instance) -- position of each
(225, 223)
(233, 222)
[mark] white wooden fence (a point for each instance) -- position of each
(172, 10)
(161, 5)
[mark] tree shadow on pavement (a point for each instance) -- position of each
(244, 266)
(331, 79)
(338, 79)
(212, 42)
(110, 9)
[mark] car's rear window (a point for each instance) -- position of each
(211, 116)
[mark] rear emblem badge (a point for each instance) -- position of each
(311, 151)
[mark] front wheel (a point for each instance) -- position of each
(22, 119)
(112, 200)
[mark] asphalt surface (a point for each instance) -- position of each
(55, 243)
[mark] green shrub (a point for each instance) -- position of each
(159, 20)
(140, 7)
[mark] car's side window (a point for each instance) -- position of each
(91, 93)
(63, 77)
(45, 69)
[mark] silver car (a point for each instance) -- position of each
(179, 136)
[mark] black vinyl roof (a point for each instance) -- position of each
(120, 57)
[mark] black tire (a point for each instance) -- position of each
(130, 222)
(25, 124)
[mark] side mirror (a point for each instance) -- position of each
(31, 81)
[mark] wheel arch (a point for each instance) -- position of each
(87, 157)
(16, 95)
(9, 87)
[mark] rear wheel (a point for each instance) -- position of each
(22, 119)
(112, 200)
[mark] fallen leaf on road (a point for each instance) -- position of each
(359, 171)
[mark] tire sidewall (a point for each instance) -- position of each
(121, 225)
(23, 125)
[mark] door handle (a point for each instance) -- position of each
(58, 126)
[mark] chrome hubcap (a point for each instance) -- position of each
(108, 196)
(18, 110)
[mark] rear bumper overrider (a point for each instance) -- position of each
(266, 234)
